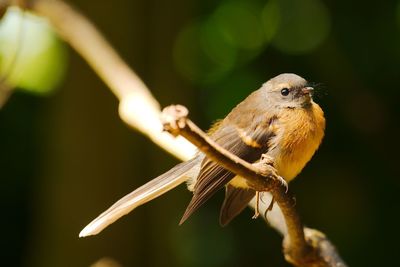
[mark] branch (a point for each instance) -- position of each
(261, 177)
(316, 250)
(135, 100)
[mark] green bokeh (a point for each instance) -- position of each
(303, 25)
(216, 47)
(398, 14)
(270, 19)
(240, 24)
(211, 48)
(198, 55)
(32, 57)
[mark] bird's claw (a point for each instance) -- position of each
(282, 182)
(266, 167)
(267, 159)
(257, 207)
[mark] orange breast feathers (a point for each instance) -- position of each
(302, 131)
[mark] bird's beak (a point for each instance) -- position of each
(307, 90)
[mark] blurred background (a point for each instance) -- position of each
(66, 156)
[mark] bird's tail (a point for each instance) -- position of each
(153, 189)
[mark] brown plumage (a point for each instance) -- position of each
(288, 128)
(236, 200)
(245, 136)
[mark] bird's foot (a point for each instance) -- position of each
(282, 182)
(257, 206)
(267, 164)
(270, 207)
(267, 159)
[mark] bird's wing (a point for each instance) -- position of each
(143, 194)
(248, 144)
(236, 199)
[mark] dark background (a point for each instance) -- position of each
(65, 158)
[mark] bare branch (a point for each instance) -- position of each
(136, 100)
(261, 177)
(317, 250)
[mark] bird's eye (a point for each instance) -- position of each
(285, 91)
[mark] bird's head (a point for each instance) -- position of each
(288, 91)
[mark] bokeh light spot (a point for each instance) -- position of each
(270, 18)
(240, 24)
(209, 49)
(216, 47)
(303, 25)
(199, 57)
(32, 57)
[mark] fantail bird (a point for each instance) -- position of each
(279, 120)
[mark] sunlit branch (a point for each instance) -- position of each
(261, 178)
(135, 98)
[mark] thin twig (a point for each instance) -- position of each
(296, 249)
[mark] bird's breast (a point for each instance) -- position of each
(301, 133)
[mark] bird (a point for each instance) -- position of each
(280, 121)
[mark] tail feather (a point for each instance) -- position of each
(153, 189)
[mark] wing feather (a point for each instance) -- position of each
(236, 200)
(212, 176)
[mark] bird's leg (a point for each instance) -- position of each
(270, 207)
(257, 207)
(266, 164)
